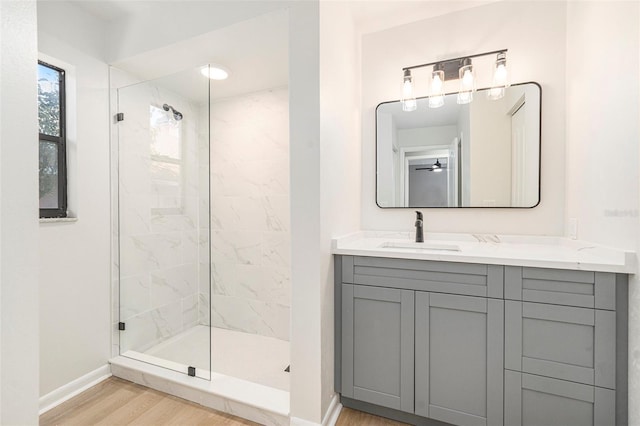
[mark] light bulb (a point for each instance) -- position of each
(436, 98)
(467, 82)
(438, 170)
(407, 89)
(500, 75)
(436, 85)
(409, 102)
(467, 78)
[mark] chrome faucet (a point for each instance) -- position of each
(419, 233)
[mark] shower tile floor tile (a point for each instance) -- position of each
(251, 357)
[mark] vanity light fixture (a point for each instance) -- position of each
(455, 69)
(409, 102)
(500, 78)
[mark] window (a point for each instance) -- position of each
(166, 162)
(53, 153)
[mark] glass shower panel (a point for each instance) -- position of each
(164, 226)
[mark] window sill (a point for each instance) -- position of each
(58, 219)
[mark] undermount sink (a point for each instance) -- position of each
(419, 246)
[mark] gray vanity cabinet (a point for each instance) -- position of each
(459, 359)
(429, 342)
(377, 353)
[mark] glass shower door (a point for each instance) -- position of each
(163, 222)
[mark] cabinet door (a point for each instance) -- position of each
(377, 345)
(459, 359)
(562, 342)
(540, 401)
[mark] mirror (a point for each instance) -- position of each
(482, 154)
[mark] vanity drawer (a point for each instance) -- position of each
(533, 400)
(562, 342)
(424, 275)
(585, 289)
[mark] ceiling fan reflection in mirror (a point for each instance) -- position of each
(436, 167)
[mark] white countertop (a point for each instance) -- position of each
(533, 251)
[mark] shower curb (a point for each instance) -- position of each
(251, 401)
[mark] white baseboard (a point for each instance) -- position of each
(330, 417)
(295, 421)
(68, 391)
(333, 412)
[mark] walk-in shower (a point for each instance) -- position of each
(201, 209)
(203, 228)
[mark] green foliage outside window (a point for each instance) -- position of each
(49, 120)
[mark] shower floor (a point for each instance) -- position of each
(246, 356)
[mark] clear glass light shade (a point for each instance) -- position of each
(408, 98)
(467, 84)
(500, 78)
(436, 97)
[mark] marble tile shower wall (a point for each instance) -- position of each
(250, 229)
(164, 237)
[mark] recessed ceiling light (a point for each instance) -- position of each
(215, 72)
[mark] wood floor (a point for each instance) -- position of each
(349, 417)
(119, 402)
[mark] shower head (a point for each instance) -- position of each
(177, 115)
